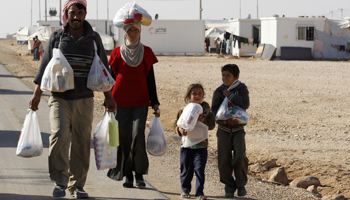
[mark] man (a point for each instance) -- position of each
(71, 112)
(36, 46)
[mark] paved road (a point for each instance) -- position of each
(27, 178)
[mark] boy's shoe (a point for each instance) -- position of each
(129, 181)
(229, 195)
(59, 191)
(79, 193)
(241, 192)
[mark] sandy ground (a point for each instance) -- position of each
(299, 115)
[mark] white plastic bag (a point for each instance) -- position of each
(189, 116)
(105, 155)
(131, 14)
(228, 110)
(30, 143)
(197, 135)
(156, 142)
(99, 79)
(58, 75)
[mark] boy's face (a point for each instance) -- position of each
(228, 78)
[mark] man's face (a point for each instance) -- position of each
(76, 17)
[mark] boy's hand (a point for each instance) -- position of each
(226, 93)
(182, 131)
(232, 121)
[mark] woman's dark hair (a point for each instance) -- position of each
(190, 88)
(232, 68)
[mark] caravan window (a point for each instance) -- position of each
(306, 33)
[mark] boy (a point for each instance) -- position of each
(231, 135)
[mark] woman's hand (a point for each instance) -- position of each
(156, 110)
(226, 93)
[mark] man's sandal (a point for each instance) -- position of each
(185, 195)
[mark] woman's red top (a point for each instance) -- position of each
(130, 89)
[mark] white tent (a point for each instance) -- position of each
(43, 34)
(108, 41)
(214, 33)
(25, 32)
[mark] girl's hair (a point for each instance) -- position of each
(189, 90)
(232, 68)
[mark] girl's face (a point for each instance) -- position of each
(228, 78)
(196, 95)
(133, 34)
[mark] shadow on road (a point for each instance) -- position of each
(10, 138)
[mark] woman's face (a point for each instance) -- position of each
(133, 34)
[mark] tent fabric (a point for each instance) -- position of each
(25, 32)
(337, 27)
(296, 53)
(328, 51)
(107, 41)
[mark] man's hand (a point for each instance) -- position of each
(111, 105)
(35, 100)
(232, 121)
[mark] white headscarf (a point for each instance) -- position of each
(132, 52)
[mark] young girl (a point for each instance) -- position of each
(193, 159)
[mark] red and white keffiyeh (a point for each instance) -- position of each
(66, 5)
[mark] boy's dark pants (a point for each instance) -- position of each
(193, 161)
(238, 163)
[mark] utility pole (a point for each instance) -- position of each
(257, 9)
(45, 10)
(96, 9)
(332, 13)
(39, 12)
(341, 12)
(107, 11)
(60, 14)
(239, 9)
(31, 12)
(200, 9)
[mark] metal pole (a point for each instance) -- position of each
(200, 9)
(39, 11)
(341, 12)
(45, 10)
(60, 15)
(240, 9)
(96, 9)
(31, 12)
(257, 9)
(107, 11)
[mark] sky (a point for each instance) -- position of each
(21, 13)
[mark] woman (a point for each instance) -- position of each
(134, 90)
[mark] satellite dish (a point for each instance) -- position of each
(156, 17)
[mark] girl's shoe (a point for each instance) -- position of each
(185, 195)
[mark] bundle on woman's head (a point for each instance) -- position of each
(131, 14)
(66, 6)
